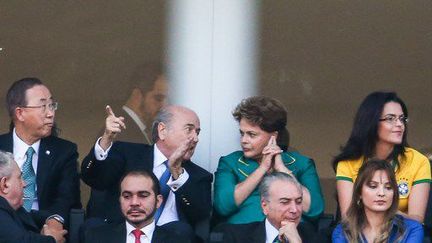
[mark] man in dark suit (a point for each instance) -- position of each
(175, 133)
(281, 202)
(16, 225)
(139, 199)
(49, 164)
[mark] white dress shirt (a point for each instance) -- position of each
(169, 213)
(271, 232)
(19, 153)
(145, 238)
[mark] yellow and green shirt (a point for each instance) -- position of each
(414, 169)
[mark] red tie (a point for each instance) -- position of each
(137, 233)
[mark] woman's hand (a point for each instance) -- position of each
(271, 158)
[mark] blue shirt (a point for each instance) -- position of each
(413, 232)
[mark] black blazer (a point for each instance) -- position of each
(193, 199)
(57, 179)
(252, 233)
(116, 233)
(18, 226)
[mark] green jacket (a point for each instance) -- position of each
(234, 168)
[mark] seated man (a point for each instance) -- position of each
(16, 225)
(139, 199)
(186, 187)
(281, 202)
(49, 164)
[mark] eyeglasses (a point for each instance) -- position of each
(392, 119)
(51, 106)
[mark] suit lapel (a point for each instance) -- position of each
(45, 163)
(118, 234)
(260, 233)
(27, 220)
(159, 235)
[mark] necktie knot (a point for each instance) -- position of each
(30, 152)
(137, 233)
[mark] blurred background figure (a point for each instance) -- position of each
(148, 94)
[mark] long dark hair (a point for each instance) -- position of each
(355, 220)
(364, 134)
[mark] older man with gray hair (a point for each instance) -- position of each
(185, 186)
(16, 224)
(281, 202)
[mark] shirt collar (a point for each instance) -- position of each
(135, 117)
(20, 147)
(147, 230)
(271, 231)
(159, 157)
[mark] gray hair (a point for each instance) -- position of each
(164, 115)
(268, 180)
(6, 162)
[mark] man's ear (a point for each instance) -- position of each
(264, 206)
(19, 114)
(4, 185)
(159, 200)
(162, 130)
(275, 133)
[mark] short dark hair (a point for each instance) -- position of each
(364, 134)
(146, 174)
(144, 76)
(267, 113)
(16, 95)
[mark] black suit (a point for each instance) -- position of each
(18, 226)
(133, 134)
(116, 233)
(252, 233)
(193, 199)
(57, 179)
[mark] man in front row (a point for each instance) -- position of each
(139, 199)
(16, 224)
(281, 202)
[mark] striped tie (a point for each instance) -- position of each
(29, 177)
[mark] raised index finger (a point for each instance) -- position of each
(109, 111)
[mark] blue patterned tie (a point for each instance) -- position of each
(29, 177)
(164, 190)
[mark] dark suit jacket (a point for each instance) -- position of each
(193, 199)
(116, 233)
(252, 233)
(18, 226)
(133, 134)
(57, 179)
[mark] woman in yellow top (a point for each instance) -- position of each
(380, 132)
